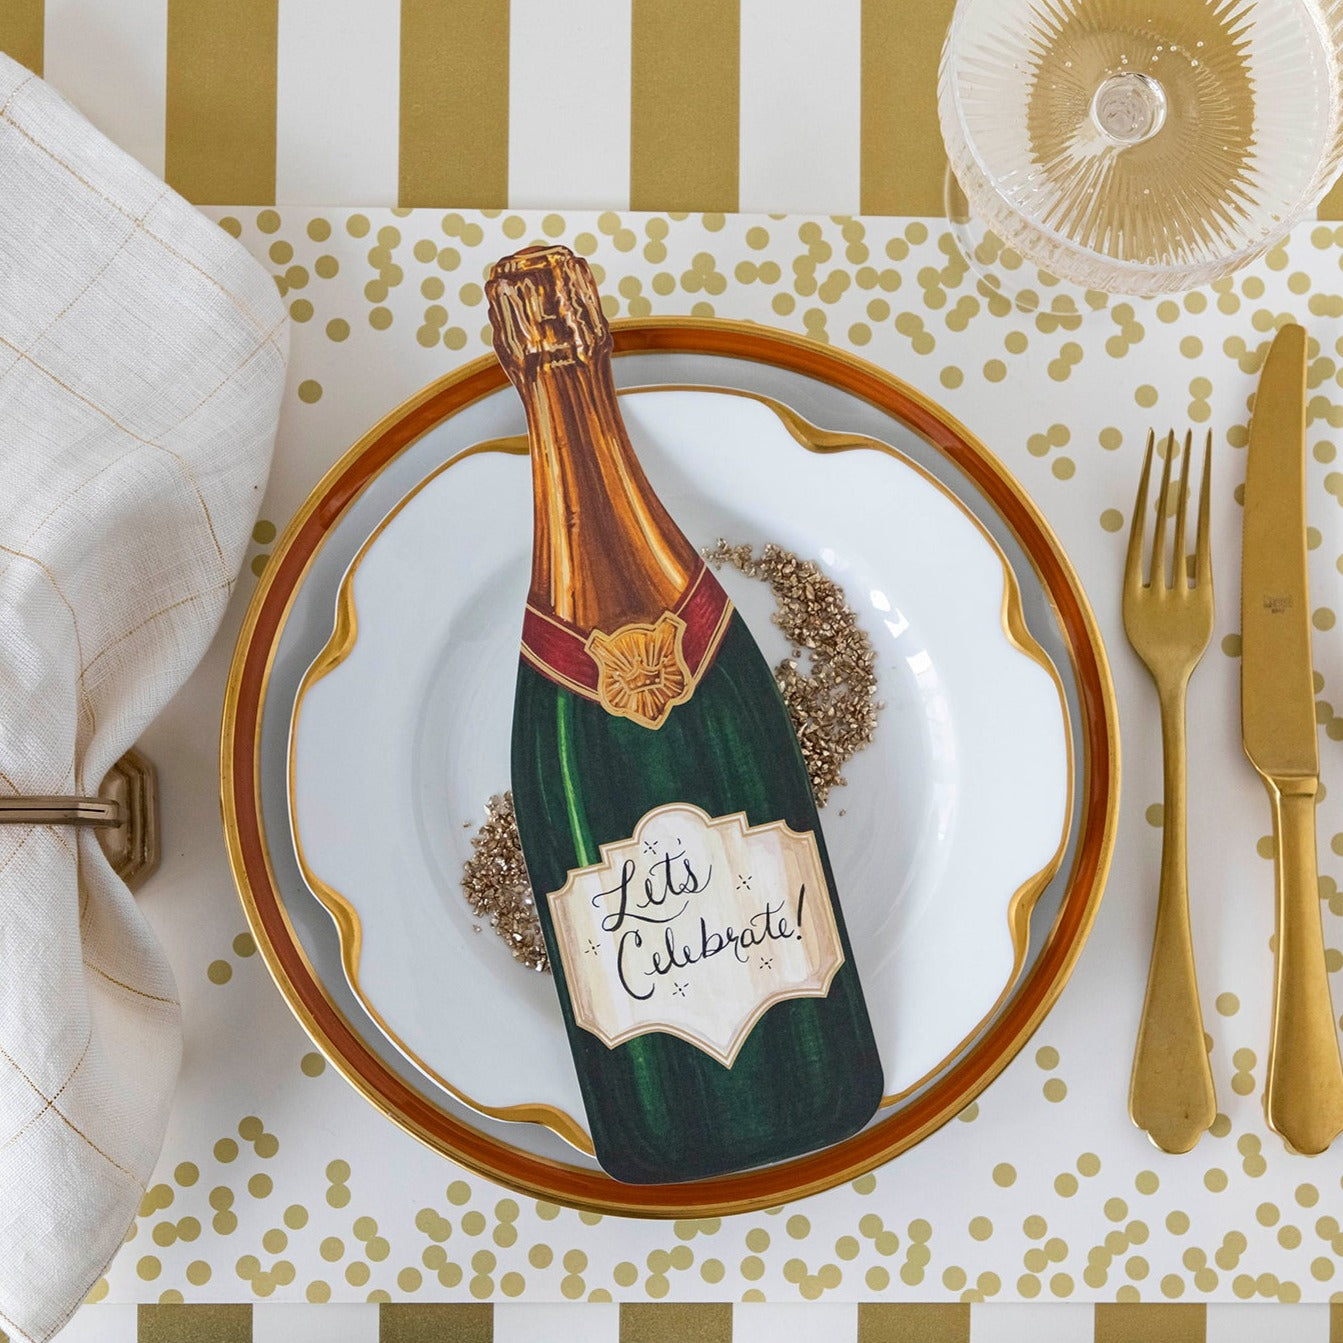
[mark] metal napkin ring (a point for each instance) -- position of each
(125, 813)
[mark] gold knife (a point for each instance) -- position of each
(1304, 1086)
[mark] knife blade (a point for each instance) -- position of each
(1277, 687)
(1304, 1083)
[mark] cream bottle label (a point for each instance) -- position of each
(695, 926)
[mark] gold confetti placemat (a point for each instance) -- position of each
(279, 1184)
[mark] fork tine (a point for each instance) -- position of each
(1162, 510)
(1179, 572)
(1203, 546)
(1133, 564)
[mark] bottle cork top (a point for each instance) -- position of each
(545, 308)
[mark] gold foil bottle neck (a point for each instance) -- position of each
(605, 552)
(545, 308)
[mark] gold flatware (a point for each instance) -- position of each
(1168, 619)
(1304, 1086)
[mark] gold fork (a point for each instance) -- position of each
(1168, 620)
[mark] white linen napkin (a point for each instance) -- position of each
(142, 361)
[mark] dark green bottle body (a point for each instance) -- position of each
(660, 1109)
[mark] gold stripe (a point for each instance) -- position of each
(454, 103)
(1331, 207)
(221, 90)
(22, 24)
(664, 1322)
(199, 1324)
(423, 1322)
(1152, 1322)
(1335, 1322)
(903, 164)
(913, 1322)
(684, 101)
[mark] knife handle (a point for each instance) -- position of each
(1171, 1095)
(1304, 1087)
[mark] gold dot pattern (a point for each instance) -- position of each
(298, 1196)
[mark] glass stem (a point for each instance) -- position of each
(1128, 109)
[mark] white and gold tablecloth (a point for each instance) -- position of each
(278, 1183)
(783, 105)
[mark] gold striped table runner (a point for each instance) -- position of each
(708, 1322)
(769, 105)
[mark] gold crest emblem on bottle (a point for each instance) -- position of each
(642, 671)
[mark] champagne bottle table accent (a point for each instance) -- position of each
(662, 800)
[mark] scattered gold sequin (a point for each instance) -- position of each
(494, 881)
(832, 698)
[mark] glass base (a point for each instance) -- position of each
(1004, 278)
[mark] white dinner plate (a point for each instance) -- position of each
(951, 823)
(289, 622)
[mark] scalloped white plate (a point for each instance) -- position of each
(950, 824)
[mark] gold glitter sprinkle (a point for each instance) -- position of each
(831, 694)
(828, 683)
(495, 884)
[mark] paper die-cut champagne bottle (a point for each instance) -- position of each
(705, 976)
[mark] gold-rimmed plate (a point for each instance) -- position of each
(952, 822)
(276, 647)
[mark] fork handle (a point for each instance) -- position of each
(1304, 1088)
(1171, 1093)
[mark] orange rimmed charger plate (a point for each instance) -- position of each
(547, 1177)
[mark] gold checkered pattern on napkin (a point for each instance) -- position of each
(142, 357)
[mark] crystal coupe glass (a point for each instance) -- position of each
(1138, 146)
